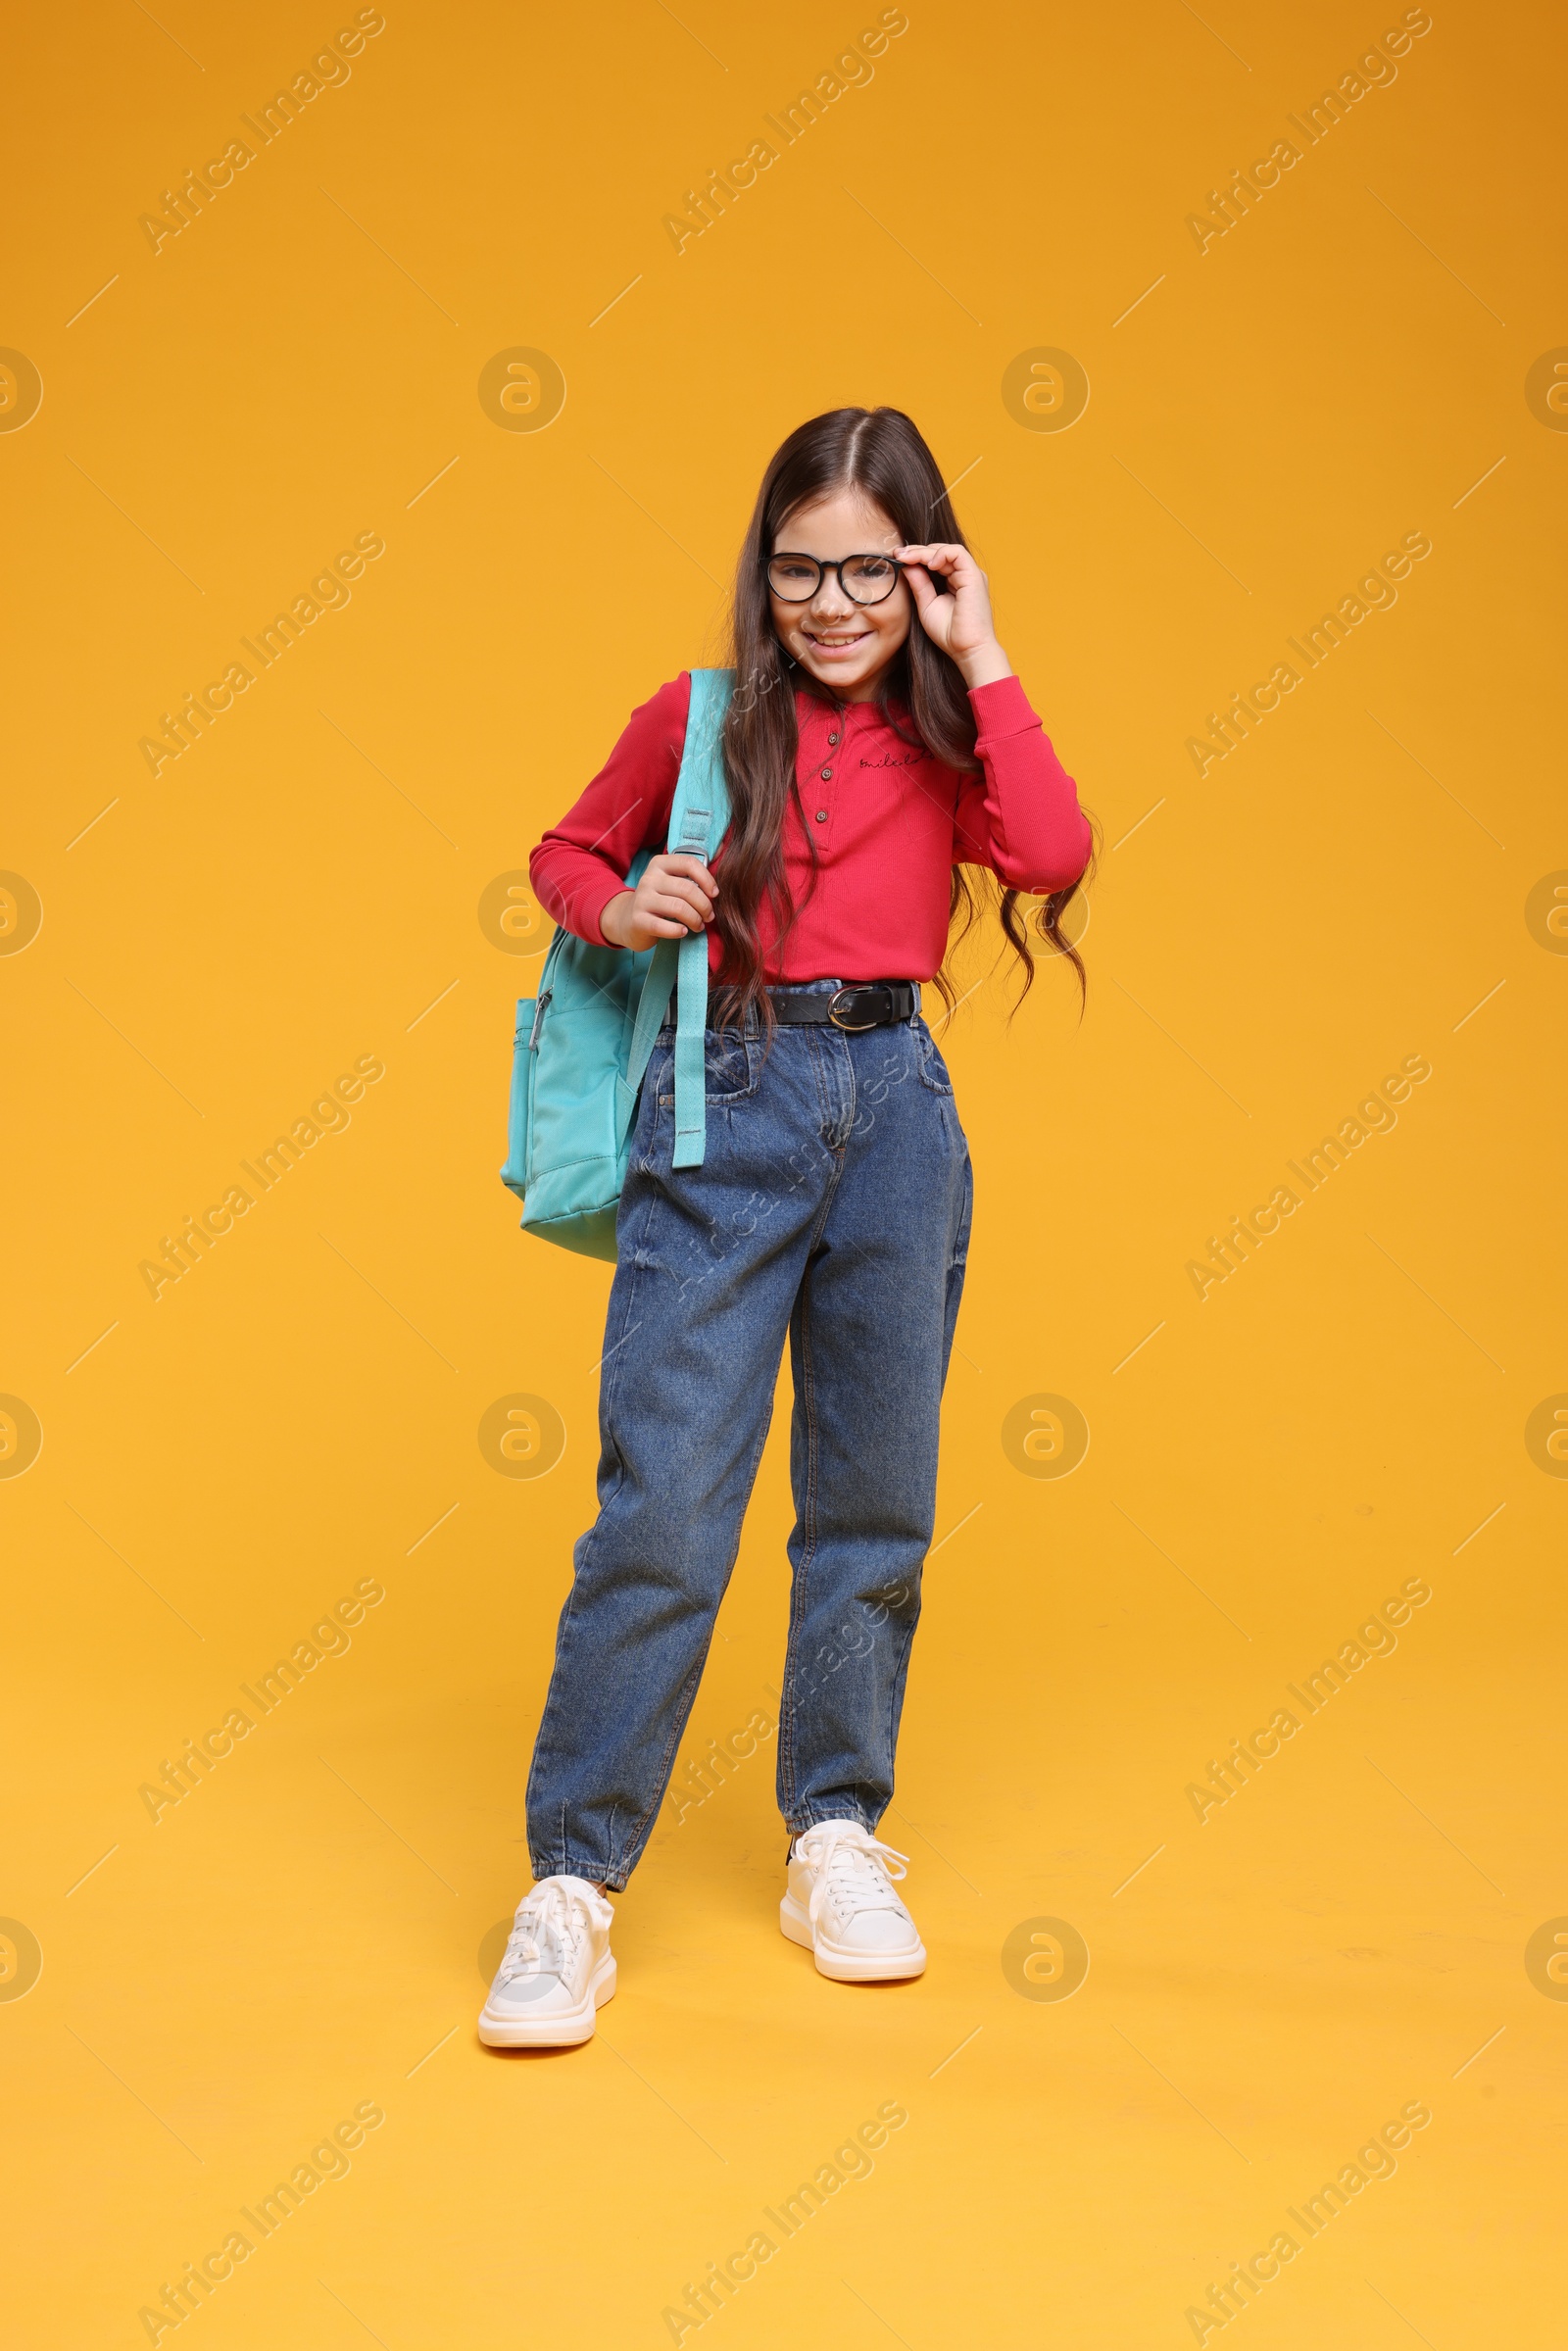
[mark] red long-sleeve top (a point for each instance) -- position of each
(889, 822)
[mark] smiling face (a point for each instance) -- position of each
(845, 645)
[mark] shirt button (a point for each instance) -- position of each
(832, 742)
(821, 815)
(827, 775)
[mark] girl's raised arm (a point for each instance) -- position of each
(1020, 816)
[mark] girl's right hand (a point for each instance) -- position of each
(674, 897)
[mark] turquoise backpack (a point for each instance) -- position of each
(582, 1044)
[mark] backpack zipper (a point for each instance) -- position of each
(538, 1019)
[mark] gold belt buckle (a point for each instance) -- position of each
(851, 1028)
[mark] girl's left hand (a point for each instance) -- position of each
(960, 623)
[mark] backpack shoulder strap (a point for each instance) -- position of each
(700, 812)
(699, 817)
(698, 821)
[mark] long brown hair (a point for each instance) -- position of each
(880, 453)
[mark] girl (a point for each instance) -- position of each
(877, 743)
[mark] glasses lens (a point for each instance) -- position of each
(793, 578)
(869, 578)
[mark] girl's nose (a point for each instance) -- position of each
(830, 601)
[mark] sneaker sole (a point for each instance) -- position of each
(850, 1966)
(564, 2029)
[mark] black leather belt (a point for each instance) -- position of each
(863, 1004)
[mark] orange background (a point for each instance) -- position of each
(300, 1414)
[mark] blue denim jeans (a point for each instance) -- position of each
(832, 1209)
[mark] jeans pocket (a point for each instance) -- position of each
(731, 1067)
(933, 1069)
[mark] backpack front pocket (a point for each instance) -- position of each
(514, 1174)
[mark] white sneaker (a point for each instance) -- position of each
(842, 1906)
(557, 1971)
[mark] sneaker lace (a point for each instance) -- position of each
(853, 1870)
(549, 1929)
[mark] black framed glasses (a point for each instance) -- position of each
(864, 578)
